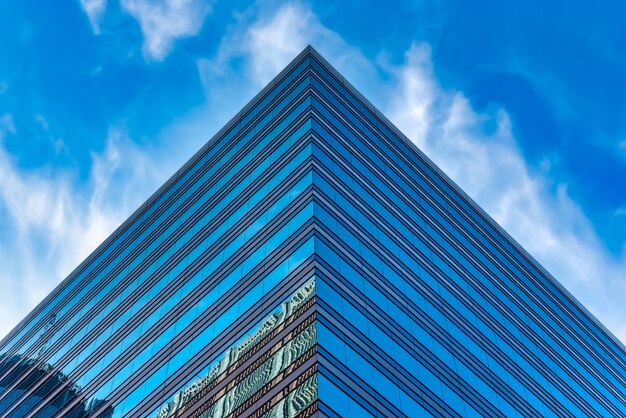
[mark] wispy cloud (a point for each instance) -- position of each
(488, 165)
(285, 33)
(50, 222)
(163, 22)
(94, 9)
(271, 37)
(262, 42)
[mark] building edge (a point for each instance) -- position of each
(310, 51)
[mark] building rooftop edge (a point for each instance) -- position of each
(310, 51)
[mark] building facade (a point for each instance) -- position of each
(310, 260)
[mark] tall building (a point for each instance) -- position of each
(309, 260)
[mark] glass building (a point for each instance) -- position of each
(309, 260)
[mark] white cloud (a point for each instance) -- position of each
(491, 169)
(264, 40)
(50, 222)
(270, 38)
(162, 22)
(285, 34)
(94, 9)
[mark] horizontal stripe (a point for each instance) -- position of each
(404, 272)
(427, 171)
(583, 364)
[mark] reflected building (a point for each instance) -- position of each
(11, 369)
(310, 261)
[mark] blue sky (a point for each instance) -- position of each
(522, 103)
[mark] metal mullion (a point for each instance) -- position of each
(167, 388)
(245, 368)
(435, 272)
(328, 365)
(394, 330)
(388, 366)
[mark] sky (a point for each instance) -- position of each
(522, 103)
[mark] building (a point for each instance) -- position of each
(309, 260)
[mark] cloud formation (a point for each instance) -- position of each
(163, 22)
(479, 152)
(94, 9)
(270, 38)
(50, 223)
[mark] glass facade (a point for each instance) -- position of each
(309, 260)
